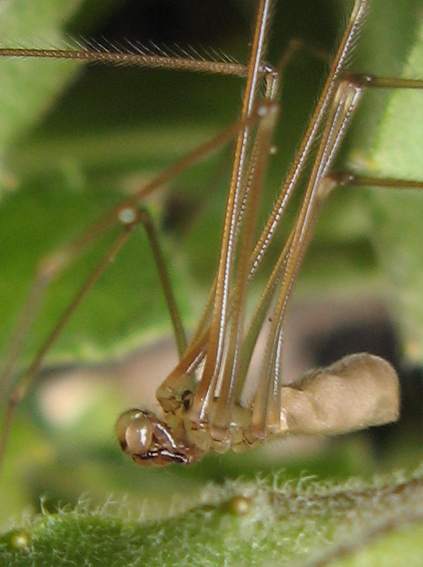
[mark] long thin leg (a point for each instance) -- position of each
(319, 115)
(140, 57)
(229, 389)
(215, 345)
(208, 385)
(170, 391)
(54, 265)
(19, 390)
(130, 220)
(127, 214)
(178, 329)
(267, 409)
(106, 54)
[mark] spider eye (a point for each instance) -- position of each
(135, 432)
(186, 399)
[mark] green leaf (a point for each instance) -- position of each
(27, 91)
(396, 152)
(100, 142)
(256, 523)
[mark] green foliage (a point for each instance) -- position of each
(396, 153)
(266, 522)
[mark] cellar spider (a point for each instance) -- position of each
(202, 400)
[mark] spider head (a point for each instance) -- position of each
(150, 441)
